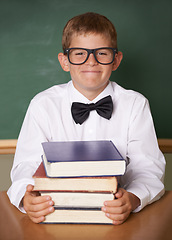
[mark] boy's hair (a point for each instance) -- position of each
(89, 23)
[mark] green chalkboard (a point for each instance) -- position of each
(30, 38)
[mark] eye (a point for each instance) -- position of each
(79, 52)
(102, 52)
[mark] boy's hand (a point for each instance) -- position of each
(36, 206)
(119, 209)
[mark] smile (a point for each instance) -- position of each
(91, 71)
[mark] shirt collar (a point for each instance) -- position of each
(76, 96)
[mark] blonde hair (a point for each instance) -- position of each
(89, 23)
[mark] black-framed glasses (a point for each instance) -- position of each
(78, 56)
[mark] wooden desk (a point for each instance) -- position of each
(153, 222)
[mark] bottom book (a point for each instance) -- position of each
(77, 216)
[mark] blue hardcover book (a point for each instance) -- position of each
(82, 159)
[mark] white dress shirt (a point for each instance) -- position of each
(130, 128)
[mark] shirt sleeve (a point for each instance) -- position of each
(28, 154)
(145, 171)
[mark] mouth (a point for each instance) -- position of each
(91, 71)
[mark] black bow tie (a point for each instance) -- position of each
(81, 111)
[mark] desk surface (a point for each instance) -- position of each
(153, 222)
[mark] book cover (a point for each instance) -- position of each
(82, 159)
(81, 151)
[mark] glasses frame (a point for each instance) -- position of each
(89, 51)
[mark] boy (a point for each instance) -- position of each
(90, 54)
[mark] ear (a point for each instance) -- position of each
(64, 62)
(117, 61)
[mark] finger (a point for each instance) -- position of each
(43, 212)
(115, 210)
(31, 194)
(29, 191)
(35, 198)
(115, 222)
(118, 217)
(40, 199)
(29, 188)
(37, 220)
(115, 203)
(36, 203)
(119, 193)
(40, 206)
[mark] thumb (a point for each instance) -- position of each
(29, 188)
(119, 193)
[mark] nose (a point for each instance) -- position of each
(91, 60)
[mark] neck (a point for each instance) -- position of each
(90, 94)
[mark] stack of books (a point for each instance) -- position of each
(79, 176)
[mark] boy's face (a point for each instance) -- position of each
(90, 78)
